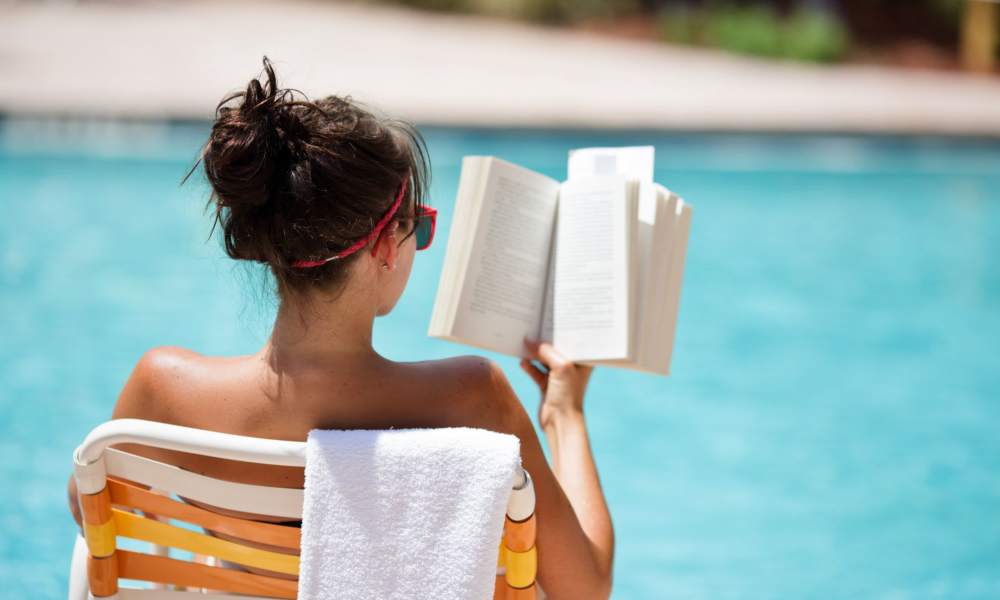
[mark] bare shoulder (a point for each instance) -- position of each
(160, 375)
(468, 369)
(471, 391)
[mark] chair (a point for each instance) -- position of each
(113, 507)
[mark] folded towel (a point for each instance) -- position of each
(404, 513)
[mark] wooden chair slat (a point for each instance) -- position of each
(125, 494)
(160, 569)
(101, 538)
(502, 591)
(148, 530)
(521, 567)
(527, 593)
(102, 574)
(519, 536)
(96, 508)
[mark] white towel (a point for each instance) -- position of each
(404, 513)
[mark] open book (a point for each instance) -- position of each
(593, 264)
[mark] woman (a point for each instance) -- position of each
(329, 196)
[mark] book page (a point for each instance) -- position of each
(593, 266)
(463, 220)
(655, 240)
(651, 217)
(656, 274)
(666, 327)
(501, 297)
(646, 225)
(547, 325)
(634, 162)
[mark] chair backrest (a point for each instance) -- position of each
(109, 500)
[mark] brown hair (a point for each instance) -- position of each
(294, 179)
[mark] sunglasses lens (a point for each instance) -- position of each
(423, 232)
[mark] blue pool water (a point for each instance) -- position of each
(831, 429)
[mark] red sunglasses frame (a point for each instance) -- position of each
(425, 213)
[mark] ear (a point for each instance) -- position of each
(386, 247)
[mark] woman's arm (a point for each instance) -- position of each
(560, 414)
(574, 534)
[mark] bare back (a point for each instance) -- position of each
(245, 396)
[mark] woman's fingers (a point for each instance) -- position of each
(546, 354)
(552, 358)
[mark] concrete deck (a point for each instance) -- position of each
(177, 59)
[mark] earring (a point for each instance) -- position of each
(385, 266)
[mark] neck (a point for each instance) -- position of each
(320, 329)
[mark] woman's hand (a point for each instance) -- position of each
(561, 381)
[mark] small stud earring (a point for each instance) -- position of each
(385, 266)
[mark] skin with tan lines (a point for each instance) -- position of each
(318, 370)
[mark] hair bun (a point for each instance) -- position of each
(295, 179)
(248, 146)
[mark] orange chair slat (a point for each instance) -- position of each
(160, 569)
(519, 536)
(502, 591)
(527, 593)
(124, 494)
(102, 575)
(96, 508)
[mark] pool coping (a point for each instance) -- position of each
(66, 61)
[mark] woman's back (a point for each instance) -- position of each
(245, 395)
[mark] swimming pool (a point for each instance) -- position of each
(830, 430)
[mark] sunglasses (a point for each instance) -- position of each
(423, 229)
